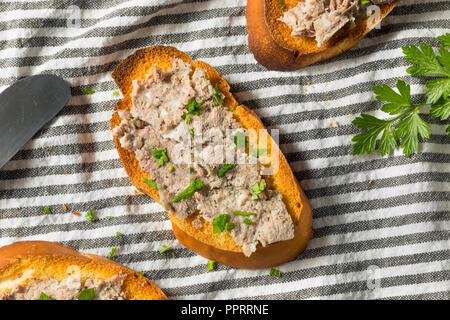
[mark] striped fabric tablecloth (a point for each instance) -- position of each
(373, 216)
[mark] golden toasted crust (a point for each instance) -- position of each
(273, 46)
(218, 247)
(53, 260)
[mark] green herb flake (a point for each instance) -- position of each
(248, 221)
(164, 249)
(221, 223)
(258, 151)
(282, 4)
(160, 156)
(191, 131)
(257, 188)
(224, 170)
(255, 197)
(240, 140)
(151, 183)
(275, 272)
(111, 254)
(191, 170)
(193, 107)
(196, 185)
(88, 91)
(111, 217)
(210, 265)
(43, 296)
(90, 215)
(140, 272)
(242, 213)
(171, 168)
(217, 95)
(118, 234)
(87, 294)
(47, 210)
(187, 119)
(115, 93)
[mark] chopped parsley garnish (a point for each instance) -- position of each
(111, 254)
(193, 107)
(160, 156)
(191, 170)
(257, 188)
(164, 249)
(90, 215)
(187, 119)
(224, 170)
(275, 272)
(140, 272)
(43, 296)
(221, 223)
(191, 131)
(118, 234)
(87, 294)
(217, 95)
(171, 168)
(248, 221)
(47, 210)
(258, 151)
(210, 265)
(282, 4)
(88, 91)
(365, 1)
(114, 93)
(151, 183)
(242, 213)
(111, 217)
(196, 185)
(240, 140)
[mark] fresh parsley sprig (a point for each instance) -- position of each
(407, 126)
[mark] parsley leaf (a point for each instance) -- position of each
(164, 249)
(90, 215)
(217, 95)
(240, 140)
(193, 107)
(257, 188)
(445, 40)
(282, 4)
(47, 210)
(196, 185)
(441, 109)
(43, 296)
(210, 265)
(248, 221)
(160, 156)
(275, 272)
(87, 294)
(221, 223)
(409, 129)
(151, 183)
(224, 170)
(111, 254)
(242, 213)
(88, 91)
(398, 102)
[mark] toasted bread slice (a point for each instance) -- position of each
(273, 46)
(219, 247)
(23, 260)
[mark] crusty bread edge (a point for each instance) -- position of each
(52, 260)
(271, 49)
(217, 247)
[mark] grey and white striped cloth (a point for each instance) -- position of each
(373, 216)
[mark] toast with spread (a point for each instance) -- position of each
(41, 270)
(287, 35)
(230, 211)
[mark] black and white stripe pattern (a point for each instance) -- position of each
(398, 223)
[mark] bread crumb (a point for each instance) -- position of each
(356, 188)
(329, 124)
(371, 180)
(64, 207)
(76, 213)
(308, 83)
(335, 123)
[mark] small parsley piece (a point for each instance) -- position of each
(160, 156)
(111, 254)
(258, 151)
(240, 140)
(257, 188)
(43, 296)
(164, 249)
(282, 4)
(118, 234)
(217, 95)
(275, 272)
(210, 265)
(221, 223)
(365, 1)
(47, 210)
(187, 119)
(140, 272)
(191, 170)
(115, 93)
(243, 213)
(87, 294)
(151, 183)
(224, 170)
(196, 185)
(90, 215)
(191, 131)
(88, 91)
(171, 168)
(193, 107)
(248, 221)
